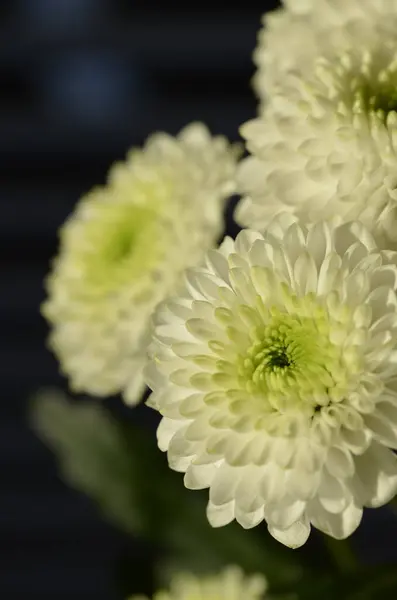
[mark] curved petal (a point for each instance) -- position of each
(338, 526)
(376, 476)
(199, 477)
(249, 520)
(218, 516)
(293, 537)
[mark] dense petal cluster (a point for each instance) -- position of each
(231, 584)
(325, 146)
(325, 141)
(123, 249)
(293, 36)
(275, 374)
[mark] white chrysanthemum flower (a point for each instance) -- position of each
(325, 145)
(231, 584)
(123, 250)
(292, 37)
(275, 374)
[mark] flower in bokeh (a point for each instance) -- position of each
(294, 35)
(231, 584)
(325, 142)
(123, 250)
(275, 374)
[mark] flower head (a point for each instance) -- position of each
(275, 375)
(293, 36)
(326, 145)
(231, 584)
(123, 249)
(325, 141)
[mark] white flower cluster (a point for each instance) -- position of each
(275, 369)
(273, 360)
(325, 141)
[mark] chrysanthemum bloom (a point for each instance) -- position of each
(293, 36)
(123, 249)
(325, 142)
(231, 584)
(275, 374)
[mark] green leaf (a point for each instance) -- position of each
(119, 466)
(92, 454)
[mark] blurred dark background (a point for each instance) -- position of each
(82, 81)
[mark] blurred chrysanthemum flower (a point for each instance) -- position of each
(325, 143)
(231, 584)
(293, 36)
(275, 374)
(123, 249)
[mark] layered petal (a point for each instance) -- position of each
(324, 142)
(282, 402)
(123, 250)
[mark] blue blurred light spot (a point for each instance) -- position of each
(60, 15)
(92, 88)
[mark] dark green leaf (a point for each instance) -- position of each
(120, 467)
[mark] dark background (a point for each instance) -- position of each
(81, 81)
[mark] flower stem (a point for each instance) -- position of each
(341, 553)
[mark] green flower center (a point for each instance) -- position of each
(379, 97)
(278, 358)
(374, 86)
(284, 345)
(292, 362)
(121, 243)
(122, 246)
(126, 234)
(385, 101)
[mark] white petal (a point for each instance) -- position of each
(385, 431)
(224, 484)
(199, 477)
(332, 494)
(227, 246)
(376, 481)
(305, 274)
(340, 463)
(136, 386)
(218, 516)
(180, 447)
(319, 242)
(280, 224)
(308, 456)
(219, 265)
(208, 284)
(294, 240)
(166, 430)
(340, 525)
(248, 498)
(355, 441)
(249, 520)
(273, 483)
(347, 234)
(293, 537)
(179, 307)
(179, 463)
(380, 299)
(153, 377)
(303, 484)
(244, 241)
(285, 513)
